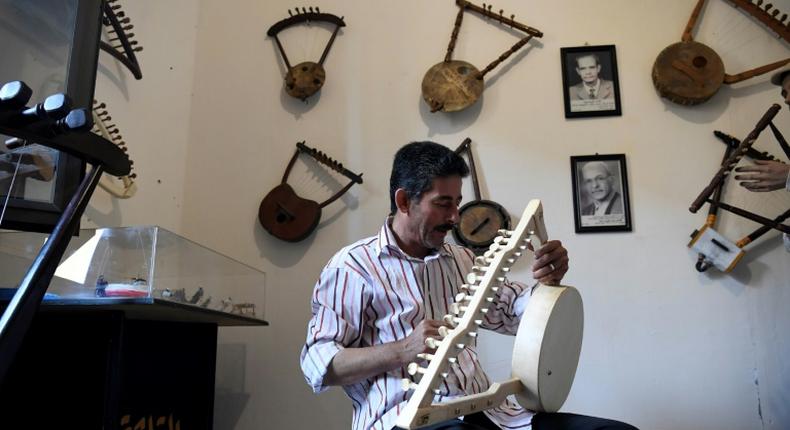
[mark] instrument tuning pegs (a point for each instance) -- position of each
(444, 331)
(784, 17)
(406, 384)
(414, 369)
(472, 334)
(768, 7)
(461, 297)
(775, 12)
(431, 343)
(425, 356)
(489, 8)
(311, 9)
(317, 10)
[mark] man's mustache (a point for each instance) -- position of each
(444, 228)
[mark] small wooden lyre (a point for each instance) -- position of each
(547, 346)
(121, 43)
(690, 73)
(454, 85)
(122, 187)
(291, 218)
(306, 78)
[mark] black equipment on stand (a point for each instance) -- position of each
(51, 123)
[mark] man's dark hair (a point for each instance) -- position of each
(417, 164)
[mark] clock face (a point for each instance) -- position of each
(480, 222)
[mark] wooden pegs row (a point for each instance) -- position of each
(304, 10)
(432, 343)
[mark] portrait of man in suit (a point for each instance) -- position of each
(589, 79)
(599, 184)
(592, 85)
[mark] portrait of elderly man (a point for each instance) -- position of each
(599, 184)
(592, 86)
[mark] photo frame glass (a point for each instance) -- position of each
(590, 81)
(600, 193)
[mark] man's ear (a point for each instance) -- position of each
(402, 200)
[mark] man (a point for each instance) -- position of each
(599, 184)
(591, 87)
(379, 299)
(764, 175)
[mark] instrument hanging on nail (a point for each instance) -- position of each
(713, 248)
(121, 44)
(454, 85)
(479, 220)
(547, 346)
(306, 78)
(122, 187)
(291, 218)
(690, 73)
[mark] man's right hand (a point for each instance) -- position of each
(416, 342)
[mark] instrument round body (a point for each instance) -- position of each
(479, 223)
(451, 86)
(287, 216)
(547, 347)
(304, 79)
(688, 73)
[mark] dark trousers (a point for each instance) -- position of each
(541, 421)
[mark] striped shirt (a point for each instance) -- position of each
(371, 293)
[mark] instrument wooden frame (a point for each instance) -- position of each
(529, 357)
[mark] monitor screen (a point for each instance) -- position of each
(52, 46)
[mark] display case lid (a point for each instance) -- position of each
(146, 271)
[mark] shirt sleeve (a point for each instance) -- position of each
(509, 304)
(336, 323)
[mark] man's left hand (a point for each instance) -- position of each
(551, 263)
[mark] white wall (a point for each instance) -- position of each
(665, 347)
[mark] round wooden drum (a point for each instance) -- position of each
(451, 86)
(688, 73)
(547, 347)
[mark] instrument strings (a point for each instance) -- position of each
(11, 184)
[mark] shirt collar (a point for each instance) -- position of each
(386, 244)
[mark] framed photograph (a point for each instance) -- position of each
(600, 193)
(589, 81)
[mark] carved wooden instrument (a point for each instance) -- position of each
(122, 187)
(690, 73)
(736, 156)
(713, 248)
(121, 44)
(480, 220)
(306, 78)
(454, 85)
(291, 218)
(547, 345)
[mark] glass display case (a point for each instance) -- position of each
(130, 267)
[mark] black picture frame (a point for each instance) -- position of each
(606, 92)
(607, 174)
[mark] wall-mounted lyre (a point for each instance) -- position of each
(547, 345)
(291, 218)
(690, 73)
(478, 220)
(306, 78)
(121, 43)
(454, 85)
(122, 187)
(713, 248)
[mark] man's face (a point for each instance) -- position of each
(588, 69)
(786, 89)
(436, 212)
(597, 181)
